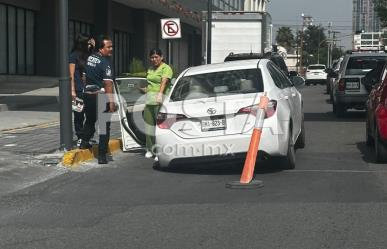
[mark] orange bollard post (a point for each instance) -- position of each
(246, 180)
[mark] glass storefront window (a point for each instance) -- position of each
(3, 39)
(17, 40)
(121, 50)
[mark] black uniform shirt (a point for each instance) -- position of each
(97, 70)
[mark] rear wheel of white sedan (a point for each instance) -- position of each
(289, 161)
(380, 148)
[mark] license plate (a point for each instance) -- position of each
(213, 124)
(352, 85)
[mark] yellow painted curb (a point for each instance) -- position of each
(73, 158)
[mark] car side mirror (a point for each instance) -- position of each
(297, 81)
(293, 73)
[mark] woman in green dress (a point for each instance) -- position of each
(158, 76)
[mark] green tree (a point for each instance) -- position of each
(285, 37)
(381, 10)
(314, 39)
(314, 45)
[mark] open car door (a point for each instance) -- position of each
(131, 101)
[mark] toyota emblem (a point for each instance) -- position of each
(211, 111)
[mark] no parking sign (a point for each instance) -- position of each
(170, 28)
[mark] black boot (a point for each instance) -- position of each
(102, 159)
(85, 145)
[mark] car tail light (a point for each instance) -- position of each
(165, 120)
(341, 85)
(270, 110)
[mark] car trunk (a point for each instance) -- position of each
(213, 116)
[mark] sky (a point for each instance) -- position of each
(339, 12)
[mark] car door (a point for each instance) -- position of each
(287, 94)
(377, 95)
(131, 100)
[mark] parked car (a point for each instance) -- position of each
(348, 90)
(315, 73)
(376, 122)
(210, 113)
(332, 74)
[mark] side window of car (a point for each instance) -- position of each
(284, 79)
(275, 75)
(384, 74)
(285, 82)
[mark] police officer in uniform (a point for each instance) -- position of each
(99, 87)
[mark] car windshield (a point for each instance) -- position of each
(316, 67)
(362, 65)
(218, 84)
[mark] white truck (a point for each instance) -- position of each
(236, 32)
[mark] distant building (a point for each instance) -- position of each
(29, 31)
(368, 41)
(255, 5)
(365, 18)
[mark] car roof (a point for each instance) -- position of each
(362, 54)
(224, 66)
(243, 56)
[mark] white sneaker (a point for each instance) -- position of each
(79, 141)
(156, 159)
(148, 154)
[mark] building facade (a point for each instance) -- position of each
(29, 28)
(365, 18)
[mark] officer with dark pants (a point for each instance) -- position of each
(99, 89)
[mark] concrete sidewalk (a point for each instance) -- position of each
(30, 136)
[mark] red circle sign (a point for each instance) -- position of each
(171, 28)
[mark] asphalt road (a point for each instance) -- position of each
(335, 198)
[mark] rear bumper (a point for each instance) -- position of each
(172, 148)
(311, 77)
(358, 100)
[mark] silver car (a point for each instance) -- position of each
(210, 113)
(348, 90)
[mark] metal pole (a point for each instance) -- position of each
(329, 44)
(66, 132)
(209, 27)
(169, 52)
(318, 48)
(301, 44)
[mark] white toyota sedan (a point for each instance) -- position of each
(210, 114)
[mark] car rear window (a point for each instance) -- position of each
(316, 67)
(362, 65)
(218, 84)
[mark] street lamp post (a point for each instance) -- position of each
(66, 133)
(306, 20)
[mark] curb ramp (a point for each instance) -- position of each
(73, 158)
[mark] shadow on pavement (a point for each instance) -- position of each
(30, 103)
(366, 152)
(230, 167)
(350, 116)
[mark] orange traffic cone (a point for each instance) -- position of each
(246, 180)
